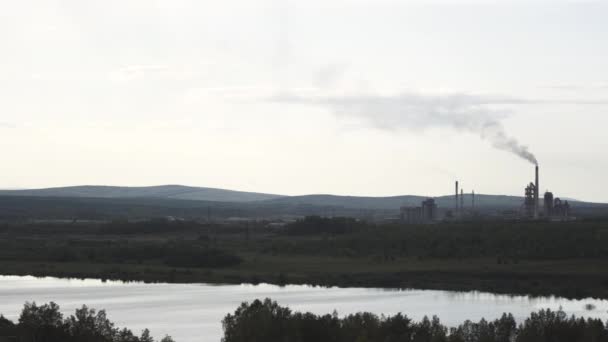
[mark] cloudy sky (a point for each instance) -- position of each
(361, 97)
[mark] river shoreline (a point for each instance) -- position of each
(197, 309)
(507, 283)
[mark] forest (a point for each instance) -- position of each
(568, 259)
(46, 323)
(267, 321)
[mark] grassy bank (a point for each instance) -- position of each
(482, 258)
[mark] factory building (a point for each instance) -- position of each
(554, 208)
(533, 208)
(456, 204)
(429, 210)
(531, 195)
(425, 213)
(561, 210)
(529, 206)
(548, 204)
(459, 211)
(411, 215)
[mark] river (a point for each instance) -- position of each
(193, 312)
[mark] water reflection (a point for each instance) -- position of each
(192, 312)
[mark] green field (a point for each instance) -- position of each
(517, 258)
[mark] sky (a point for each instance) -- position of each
(359, 97)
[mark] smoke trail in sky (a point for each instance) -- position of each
(462, 112)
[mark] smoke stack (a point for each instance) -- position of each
(536, 191)
(473, 199)
(461, 200)
(456, 203)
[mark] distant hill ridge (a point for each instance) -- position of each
(180, 192)
(395, 202)
(161, 191)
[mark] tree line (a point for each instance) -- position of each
(45, 323)
(262, 321)
(531, 240)
(267, 321)
(173, 253)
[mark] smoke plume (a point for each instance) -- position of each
(470, 113)
(6, 125)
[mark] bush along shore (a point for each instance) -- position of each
(262, 321)
(568, 259)
(45, 323)
(267, 321)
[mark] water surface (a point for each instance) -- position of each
(193, 312)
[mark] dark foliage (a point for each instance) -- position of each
(45, 323)
(86, 208)
(185, 255)
(535, 258)
(154, 226)
(506, 240)
(314, 225)
(267, 321)
(174, 254)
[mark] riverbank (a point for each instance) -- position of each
(273, 322)
(193, 312)
(569, 279)
(568, 260)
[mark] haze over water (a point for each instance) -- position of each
(193, 312)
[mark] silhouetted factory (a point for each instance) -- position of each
(459, 208)
(552, 209)
(531, 198)
(425, 213)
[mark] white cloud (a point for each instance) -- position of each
(152, 71)
(329, 75)
(576, 86)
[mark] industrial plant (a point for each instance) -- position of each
(553, 208)
(425, 213)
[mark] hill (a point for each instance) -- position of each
(163, 191)
(180, 192)
(108, 202)
(395, 202)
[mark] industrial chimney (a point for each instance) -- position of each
(456, 204)
(462, 200)
(473, 200)
(536, 192)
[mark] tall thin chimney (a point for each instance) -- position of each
(473, 200)
(536, 192)
(461, 200)
(456, 203)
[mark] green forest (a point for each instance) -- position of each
(267, 321)
(46, 323)
(263, 321)
(538, 258)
